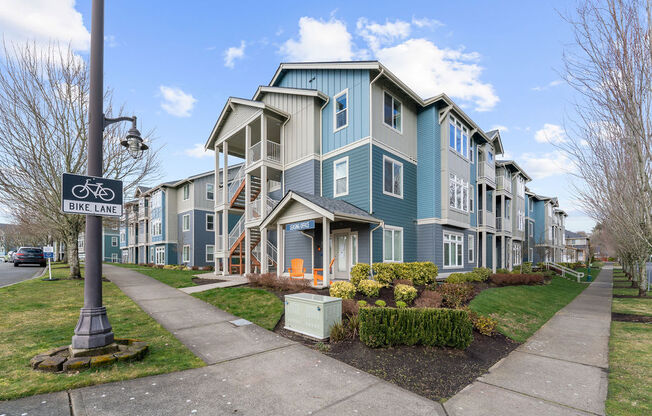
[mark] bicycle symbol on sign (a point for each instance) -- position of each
(96, 189)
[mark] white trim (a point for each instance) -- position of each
(115, 241)
(344, 160)
(443, 249)
(206, 194)
(206, 253)
(335, 97)
(385, 157)
(212, 215)
(183, 222)
(393, 229)
(470, 248)
(183, 192)
(183, 253)
(399, 131)
(301, 161)
(346, 148)
(394, 151)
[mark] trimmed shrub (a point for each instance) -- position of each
(526, 267)
(344, 290)
(402, 282)
(369, 288)
(380, 303)
(401, 304)
(362, 303)
(455, 294)
(420, 273)
(483, 272)
(502, 271)
(464, 277)
(404, 293)
(516, 279)
(169, 267)
(360, 271)
(428, 299)
(483, 324)
(382, 327)
(349, 307)
(384, 273)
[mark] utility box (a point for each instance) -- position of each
(312, 315)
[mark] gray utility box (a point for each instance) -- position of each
(312, 315)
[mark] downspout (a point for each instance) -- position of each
(371, 167)
(283, 156)
(371, 248)
(321, 150)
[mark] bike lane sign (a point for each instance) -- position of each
(91, 195)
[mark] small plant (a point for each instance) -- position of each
(526, 267)
(428, 299)
(360, 271)
(381, 303)
(323, 347)
(483, 324)
(344, 290)
(405, 293)
(349, 307)
(369, 288)
(362, 303)
(353, 326)
(384, 273)
(401, 304)
(338, 332)
(195, 267)
(455, 294)
(502, 271)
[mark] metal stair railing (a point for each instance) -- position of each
(564, 270)
(237, 231)
(237, 180)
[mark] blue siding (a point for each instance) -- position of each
(429, 167)
(303, 178)
(109, 250)
(331, 83)
(159, 214)
(202, 238)
(298, 246)
(430, 246)
(474, 186)
(358, 176)
(395, 211)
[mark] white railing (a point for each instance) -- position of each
(487, 170)
(564, 270)
(219, 199)
(219, 243)
(255, 209)
(503, 224)
(237, 180)
(503, 183)
(272, 253)
(237, 231)
(273, 152)
(486, 218)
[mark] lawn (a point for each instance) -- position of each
(174, 278)
(594, 273)
(37, 316)
(522, 310)
(256, 305)
(632, 306)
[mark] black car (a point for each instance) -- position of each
(29, 255)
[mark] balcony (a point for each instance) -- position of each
(504, 184)
(257, 211)
(486, 219)
(273, 153)
(504, 224)
(487, 171)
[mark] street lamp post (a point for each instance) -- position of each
(93, 329)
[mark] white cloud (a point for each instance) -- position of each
(544, 165)
(507, 156)
(233, 53)
(549, 85)
(426, 22)
(377, 35)
(550, 133)
(499, 127)
(110, 41)
(43, 22)
(197, 151)
(319, 40)
(176, 102)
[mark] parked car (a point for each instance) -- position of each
(29, 255)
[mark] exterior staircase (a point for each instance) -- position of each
(564, 270)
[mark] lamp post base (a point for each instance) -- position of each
(93, 329)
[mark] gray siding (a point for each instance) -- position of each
(201, 238)
(430, 246)
(303, 178)
(185, 237)
(404, 141)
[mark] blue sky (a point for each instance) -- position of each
(175, 64)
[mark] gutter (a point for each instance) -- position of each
(371, 168)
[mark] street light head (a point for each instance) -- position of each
(134, 143)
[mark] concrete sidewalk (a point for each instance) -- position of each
(250, 371)
(560, 370)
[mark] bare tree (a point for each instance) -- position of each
(43, 134)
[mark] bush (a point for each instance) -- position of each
(455, 295)
(380, 303)
(419, 273)
(349, 307)
(360, 271)
(404, 293)
(195, 267)
(384, 273)
(526, 267)
(207, 268)
(344, 290)
(274, 282)
(169, 267)
(401, 304)
(150, 264)
(464, 277)
(369, 288)
(338, 332)
(381, 327)
(483, 272)
(483, 324)
(402, 282)
(502, 271)
(428, 299)
(362, 303)
(517, 279)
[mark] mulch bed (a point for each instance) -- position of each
(202, 281)
(626, 317)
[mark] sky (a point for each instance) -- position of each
(173, 64)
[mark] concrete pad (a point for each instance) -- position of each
(480, 399)
(147, 292)
(222, 341)
(176, 303)
(191, 318)
(593, 325)
(202, 288)
(570, 384)
(583, 349)
(51, 404)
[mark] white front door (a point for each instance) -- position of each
(344, 248)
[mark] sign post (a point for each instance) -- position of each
(48, 253)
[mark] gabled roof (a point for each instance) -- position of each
(494, 138)
(572, 234)
(263, 89)
(514, 167)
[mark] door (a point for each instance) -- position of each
(341, 266)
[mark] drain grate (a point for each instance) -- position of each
(240, 322)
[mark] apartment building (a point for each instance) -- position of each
(111, 252)
(344, 163)
(577, 247)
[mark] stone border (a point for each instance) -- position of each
(61, 359)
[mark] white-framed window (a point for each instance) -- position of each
(471, 152)
(392, 112)
(210, 253)
(520, 186)
(123, 236)
(392, 177)
(517, 257)
(185, 258)
(157, 199)
(341, 177)
(210, 222)
(471, 197)
(530, 256)
(453, 250)
(458, 193)
(152, 257)
(156, 228)
(114, 257)
(392, 244)
(458, 136)
(186, 192)
(114, 241)
(341, 110)
(186, 222)
(210, 191)
(160, 255)
(471, 248)
(521, 220)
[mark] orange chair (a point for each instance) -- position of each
(296, 269)
(317, 276)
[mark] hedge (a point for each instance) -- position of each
(483, 272)
(419, 273)
(383, 327)
(464, 277)
(360, 271)
(517, 279)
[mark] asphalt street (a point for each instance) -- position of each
(10, 274)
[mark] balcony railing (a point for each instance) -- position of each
(503, 184)
(486, 219)
(504, 224)
(273, 152)
(257, 211)
(487, 171)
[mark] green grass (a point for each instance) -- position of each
(256, 305)
(174, 278)
(632, 306)
(36, 316)
(594, 273)
(522, 310)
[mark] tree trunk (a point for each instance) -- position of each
(642, 280)
(72, 249)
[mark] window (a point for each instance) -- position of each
(471, 154)
(156, 228)
(393, 244)
(186, 192)
(186, 222)
(392, 112)
(210, 222)
(471, 248)
(453, 248)
(458, 136)
(186, 254)
(392, 177)
(354, 249)
(490, 156)
(210, 254)
(521, 220)
(516, 251)
(114, 257)
(458, 193)
(114, 241)
(508, 208)
(341, 109)
(210, 191)
(160, 255)
(341, 177)
(471, 195)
